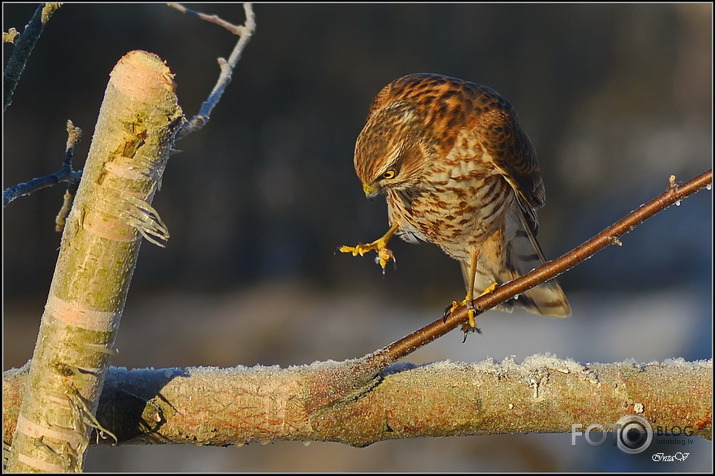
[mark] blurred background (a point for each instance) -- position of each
(615, 97)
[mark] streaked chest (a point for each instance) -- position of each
(458, 203)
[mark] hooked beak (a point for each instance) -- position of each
(371, 190)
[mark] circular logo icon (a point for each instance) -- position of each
(633, 434)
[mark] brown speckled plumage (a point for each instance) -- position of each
(460, 172)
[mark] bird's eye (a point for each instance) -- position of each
(389, 174)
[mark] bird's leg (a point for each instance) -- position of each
(384, 255)
(470, 292)
(472, 312)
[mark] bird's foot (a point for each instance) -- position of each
(471, 310)
(489, 289)
(384, 254)
(471, 324)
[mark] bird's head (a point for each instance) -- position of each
(391, 151)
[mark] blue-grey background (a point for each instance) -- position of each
(616, 98)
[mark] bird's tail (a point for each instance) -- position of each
(523, 254)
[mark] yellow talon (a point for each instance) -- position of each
(471, 311)
(384, 257)
(358, 249)
(491, 288)
(384, 254)
(472, 322)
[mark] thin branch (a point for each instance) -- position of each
(26, 188)
(219, 407)
(65, 174)
(235, 29)
(244, 33)
(73, 136)
(23, 48)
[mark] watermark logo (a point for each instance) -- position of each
(633, 434)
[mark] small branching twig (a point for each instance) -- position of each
(73, 136)
(23, 48)
(61, 217)
(244, 33)
(65, 174)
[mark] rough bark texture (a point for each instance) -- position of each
(220, 407)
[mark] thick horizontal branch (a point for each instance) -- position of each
(219, 407)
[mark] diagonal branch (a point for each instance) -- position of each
(100, 245)
(674, 194)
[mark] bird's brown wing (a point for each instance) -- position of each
(512, 153)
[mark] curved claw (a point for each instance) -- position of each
(466, 329)
(384, 254)
(471, 325)
(456, 305)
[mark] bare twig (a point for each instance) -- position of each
(23, 48)
(61, 217)
(244, 33)
(73, 136)
(65, 174)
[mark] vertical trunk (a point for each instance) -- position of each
(111, 213)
